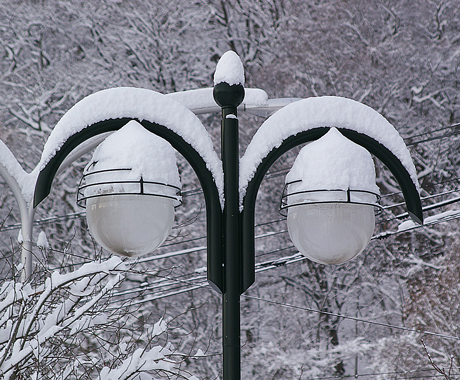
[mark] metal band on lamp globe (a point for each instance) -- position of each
(331, 233)
(130, 225)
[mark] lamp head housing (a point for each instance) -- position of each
(330, 196)
(130, 209)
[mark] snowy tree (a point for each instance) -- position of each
(65, 326)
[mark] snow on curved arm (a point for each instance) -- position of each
(327, 111)
(141, 104)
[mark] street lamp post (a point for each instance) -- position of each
(229, 97)
(230, 185)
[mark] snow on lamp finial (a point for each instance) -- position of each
(229, 69)
(228, 82)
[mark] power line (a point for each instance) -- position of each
(445, 336)
(433, 220)
(200, 280)
(17, 226)
(392, 373)
(434, 130)
(436, 219)
(281, 261)
(273, 265)
(410, 143)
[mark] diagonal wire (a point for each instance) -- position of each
(445, 336)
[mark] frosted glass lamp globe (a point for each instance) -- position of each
(331, 233)
(130, 225)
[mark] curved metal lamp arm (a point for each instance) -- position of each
(410, 192)
(211, 194)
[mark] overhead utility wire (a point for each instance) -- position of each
(282, 261)
(388, 373)
(431, 196)
(81, 214)
(200, 280)
(410, 143)
(17, 226)
(356, 319)
(353, 318)
(271, 264)
(74, 215)
(194, 249)
(436, 219)
(177, 253)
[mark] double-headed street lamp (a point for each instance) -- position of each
(131, 185)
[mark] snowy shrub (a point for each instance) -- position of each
(67, 327)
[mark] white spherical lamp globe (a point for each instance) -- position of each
(331, 233)
(331, 193)
(130, 225)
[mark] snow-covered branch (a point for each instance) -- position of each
(41, 326)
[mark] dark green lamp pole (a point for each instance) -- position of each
(229, 97)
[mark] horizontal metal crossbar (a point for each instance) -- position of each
(347, 198)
